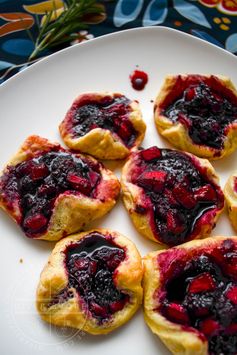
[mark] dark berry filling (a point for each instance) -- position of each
(205, 112)
(37, 182)
(91, 265)
(178, 191)
(61, 297)
(108, 113)
(203, 295)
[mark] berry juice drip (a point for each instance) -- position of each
(139, 79)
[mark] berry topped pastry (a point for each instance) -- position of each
(198, 114)
(191, 296)
(172, 196)
(91, 282)
(51, 192)
(105, 125)
(230, 192)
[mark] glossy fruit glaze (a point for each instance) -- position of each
(91, 265)
(111, 113)
(205, 107)
(177, 193)
(200, 291)
(37, 182)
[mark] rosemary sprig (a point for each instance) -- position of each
(62, 29)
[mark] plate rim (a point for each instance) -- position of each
(121, 33)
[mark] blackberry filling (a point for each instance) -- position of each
(61, 297)
(108, 113)
(205, 112)
(37, 182)
(91, 265)
(178, 193)
(204, 296)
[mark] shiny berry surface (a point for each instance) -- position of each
(201, 292)
(91, 266)
(205, 112)
(177, 193)
(108, 113)
(37, 182)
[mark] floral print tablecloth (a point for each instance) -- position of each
(20, 22)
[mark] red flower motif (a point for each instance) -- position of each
(225, 6)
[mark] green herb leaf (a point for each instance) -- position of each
(77, 15)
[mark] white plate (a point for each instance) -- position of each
(34, 102)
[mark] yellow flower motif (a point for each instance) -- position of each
(43, 7)
(226, 20)
(223, 22)
(56, 6)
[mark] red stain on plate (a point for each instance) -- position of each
(138, 79)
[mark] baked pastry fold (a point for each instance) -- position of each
(92, 282)
(230, 192)
(171, 196)
(190, 296)
(51, 192)
(198, 114)
(105, 125)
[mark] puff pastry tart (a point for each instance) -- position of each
(51, 192)
(191, 296)
(230, 192)
(105, 125)
(198, 114)
(92, 282)
(171, 196)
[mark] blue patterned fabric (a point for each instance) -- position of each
(211, 20)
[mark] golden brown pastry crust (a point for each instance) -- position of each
(132, 196)
(102, 143)
(71, 212)
(179, 340)
(231, 199)
(71, 313)
(177, 133)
